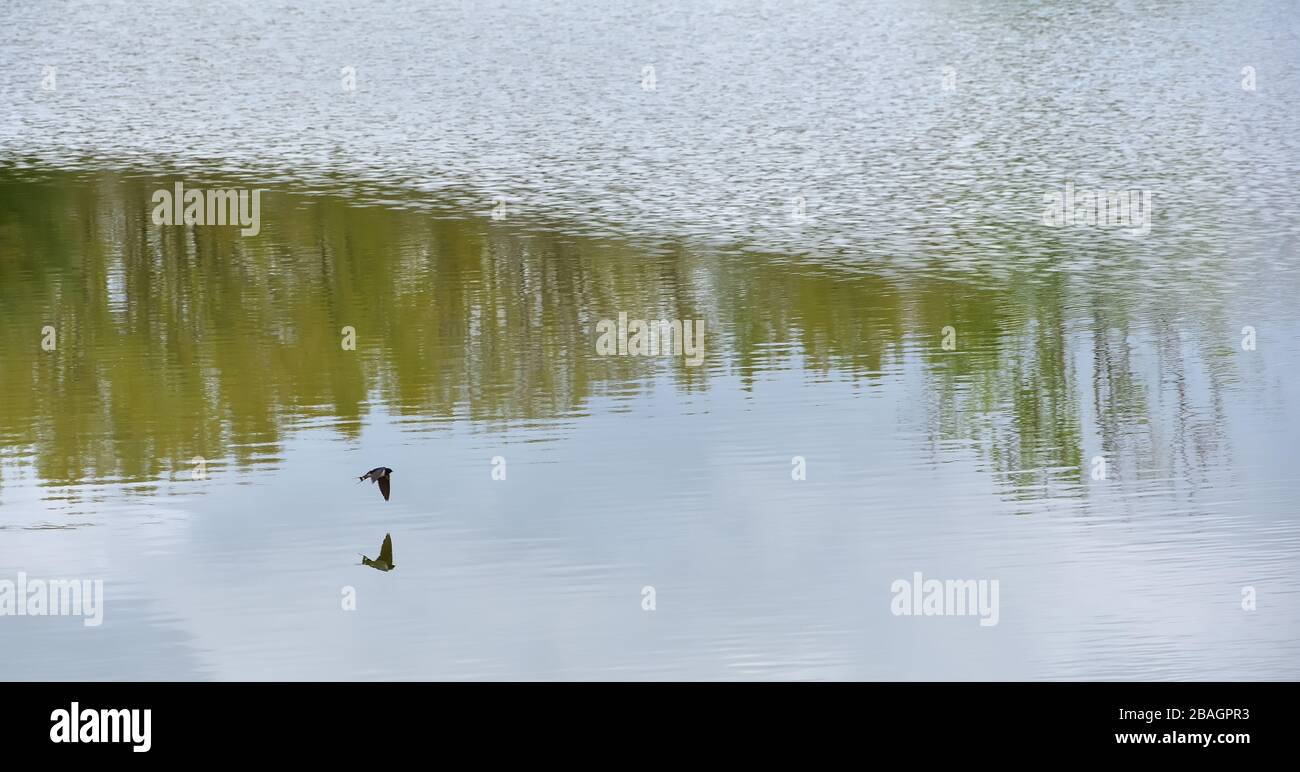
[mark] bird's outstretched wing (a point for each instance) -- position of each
(386, 551)
(383, 486)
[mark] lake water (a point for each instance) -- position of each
(850, 197)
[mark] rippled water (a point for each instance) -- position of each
(476, 339)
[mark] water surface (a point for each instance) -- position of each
(475, 340)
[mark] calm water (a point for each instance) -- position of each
(475, 339)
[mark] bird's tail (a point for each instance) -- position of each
(362, 478)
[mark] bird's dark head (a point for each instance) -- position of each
(387, 470)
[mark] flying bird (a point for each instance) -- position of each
(380, 475)
(385, 560)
